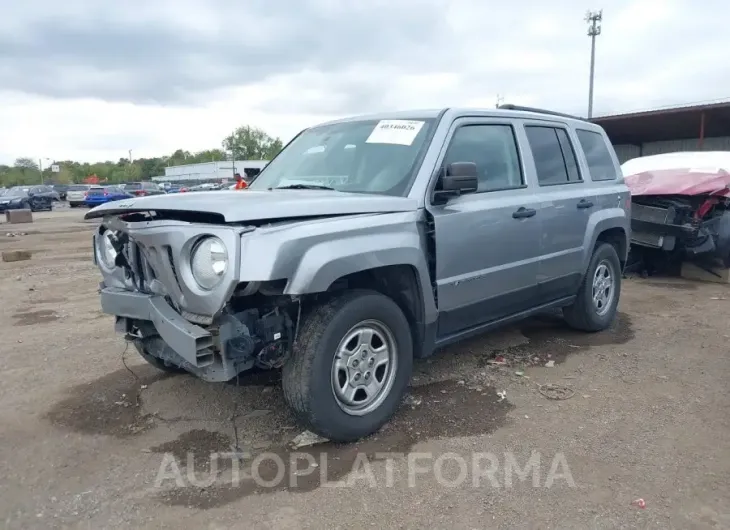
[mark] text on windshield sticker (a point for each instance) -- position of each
(400, 132)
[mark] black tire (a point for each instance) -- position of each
(583, 314)
(307, 376)
(159, 363)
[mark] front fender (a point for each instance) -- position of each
(324, 263)
(313, 255)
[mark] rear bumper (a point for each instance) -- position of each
(189, 341)
(95, 202)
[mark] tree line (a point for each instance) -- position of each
(245, 143)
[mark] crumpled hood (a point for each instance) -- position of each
(247, 205)
(686, 181)
(683, 173)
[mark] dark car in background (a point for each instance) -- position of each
(96, 196)
(44, 190)
(142, 189)
(33, 198)
(61, 189)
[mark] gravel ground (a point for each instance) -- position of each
(87, 442)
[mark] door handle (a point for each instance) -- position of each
(585, 204)
(524, 213)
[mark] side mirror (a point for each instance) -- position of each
(458, 178)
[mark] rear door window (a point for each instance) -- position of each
(553, 154)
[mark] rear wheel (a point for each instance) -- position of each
(351, 365)
(595, 306)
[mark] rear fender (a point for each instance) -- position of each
(601, 221)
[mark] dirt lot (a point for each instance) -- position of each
(82, 438)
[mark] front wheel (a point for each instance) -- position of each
(595, 306)
(351, 365)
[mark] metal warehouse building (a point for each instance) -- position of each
(704, 127)
(208, 171)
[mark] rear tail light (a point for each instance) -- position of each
(86, 194)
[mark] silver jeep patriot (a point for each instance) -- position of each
(368, 242)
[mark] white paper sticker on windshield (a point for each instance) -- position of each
(400, 132)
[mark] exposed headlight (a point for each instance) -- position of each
(107, 250)
(209, 262)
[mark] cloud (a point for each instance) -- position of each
(180, 55)
(86, 79)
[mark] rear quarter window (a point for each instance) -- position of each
(598, 156)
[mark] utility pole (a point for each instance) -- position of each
(130, 156)
(40, 166)
(594, 30)
(500, 100)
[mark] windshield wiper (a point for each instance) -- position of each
(303, 187)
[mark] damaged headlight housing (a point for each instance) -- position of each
(107, 251)
(209, 262)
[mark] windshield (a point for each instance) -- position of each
(373, 156)
(78, 188)
(133, 186)
(17, 191)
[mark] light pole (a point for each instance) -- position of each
(130, 156)
(594, 30)
(40, 166)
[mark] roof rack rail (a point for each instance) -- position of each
(510, 106)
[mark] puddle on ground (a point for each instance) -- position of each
(30, 318)
(550, 337)
(444, 409)
(109, 405)
(195, 447)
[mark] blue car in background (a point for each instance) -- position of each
(101, 195)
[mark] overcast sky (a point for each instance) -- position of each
(91, 79)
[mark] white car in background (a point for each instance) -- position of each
(76, 194)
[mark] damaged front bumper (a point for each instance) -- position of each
(191, 342)
(160, 331)
(233, 343)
